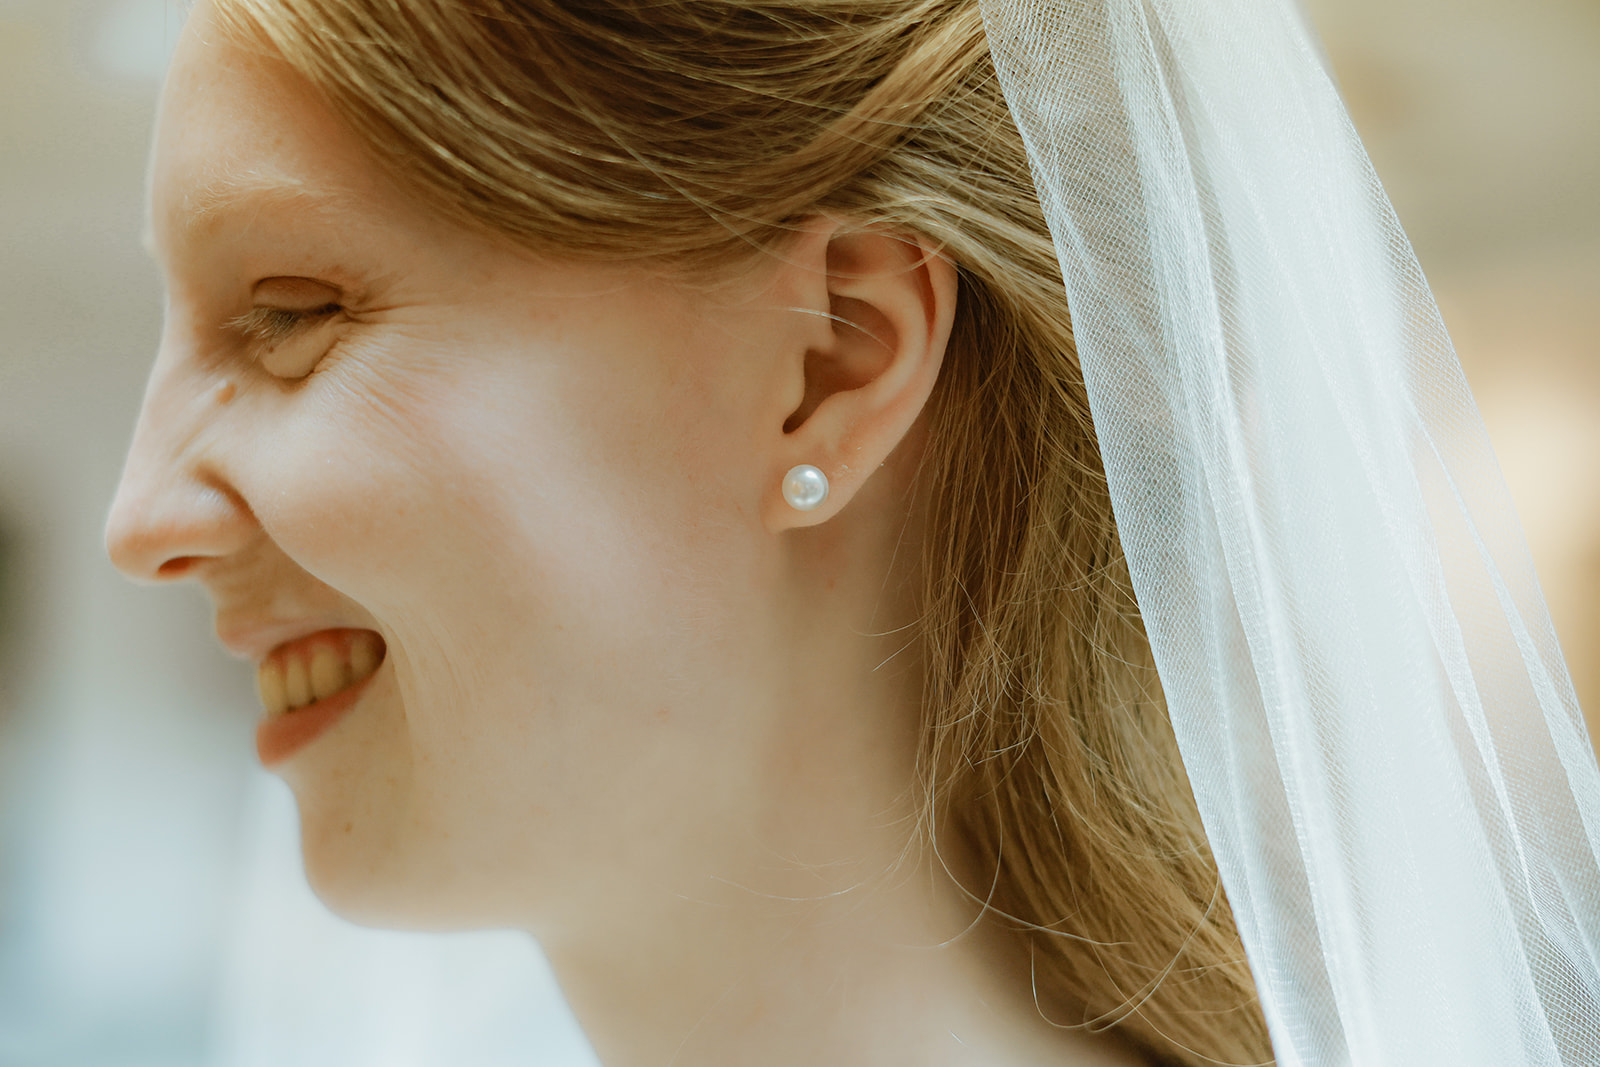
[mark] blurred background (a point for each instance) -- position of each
(152, 908)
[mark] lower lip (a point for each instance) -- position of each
(280, 736)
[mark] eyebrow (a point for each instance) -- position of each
(232, 190)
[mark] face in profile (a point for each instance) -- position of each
(504, 534)
(498, 485)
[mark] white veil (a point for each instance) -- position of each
(1382, 736)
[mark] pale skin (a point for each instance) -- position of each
(632, 702)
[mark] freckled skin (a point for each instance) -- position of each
(631, 702)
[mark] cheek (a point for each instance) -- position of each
(361, 499)
(559, 551)
(552, 535)
(568, 514)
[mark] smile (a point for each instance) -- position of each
(302, 672)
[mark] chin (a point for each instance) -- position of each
(369, 874)
(354, 868)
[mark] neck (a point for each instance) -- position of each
(792, 921)
(843, 965)
(798, 927)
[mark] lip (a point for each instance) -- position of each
(280, 736)
(254, 640)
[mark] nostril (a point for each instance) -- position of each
(177, 567)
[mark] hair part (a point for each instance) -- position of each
(691, 131)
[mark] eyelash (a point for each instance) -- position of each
(273, 326)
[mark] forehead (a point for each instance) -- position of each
(238, 131)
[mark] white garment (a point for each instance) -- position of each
(1382, 736)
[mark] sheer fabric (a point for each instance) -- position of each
(1382, 736)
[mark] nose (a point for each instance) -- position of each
(174, 509)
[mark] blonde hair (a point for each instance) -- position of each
(696, 130)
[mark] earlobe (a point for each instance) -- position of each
(890, 302)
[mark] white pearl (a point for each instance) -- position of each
(805, 487)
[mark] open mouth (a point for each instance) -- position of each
(299, 673)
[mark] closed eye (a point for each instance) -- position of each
(272, 326)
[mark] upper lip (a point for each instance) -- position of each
(254, 638)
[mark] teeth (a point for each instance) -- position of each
(269, 679)
(327, 672)
(297, 682)
(294, 677)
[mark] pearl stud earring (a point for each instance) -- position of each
(805, 487)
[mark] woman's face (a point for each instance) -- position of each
(534, 480)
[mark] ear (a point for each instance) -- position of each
(885, 304)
